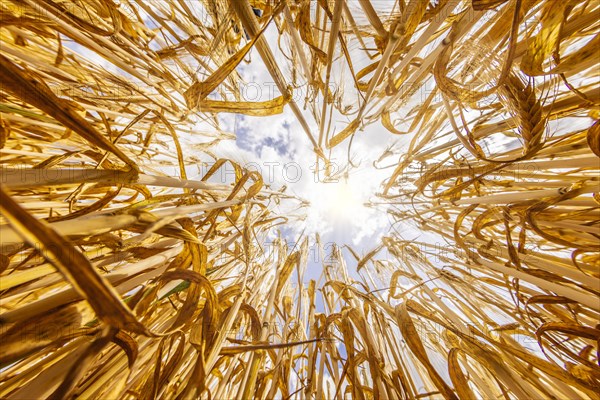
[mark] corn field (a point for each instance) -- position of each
(122, 280)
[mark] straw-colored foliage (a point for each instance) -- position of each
(121, 278)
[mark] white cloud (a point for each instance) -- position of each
(278, 147)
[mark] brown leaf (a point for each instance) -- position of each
(458, 378)
(593, 138)
(252, 108)
(344, 134)
(411, 336)
(482, 5)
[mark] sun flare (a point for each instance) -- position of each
(338, 201)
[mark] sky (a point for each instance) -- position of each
(278, 147)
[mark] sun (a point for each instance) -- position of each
(338, 201)
(339, 211)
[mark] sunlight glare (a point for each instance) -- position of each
(338, 201)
